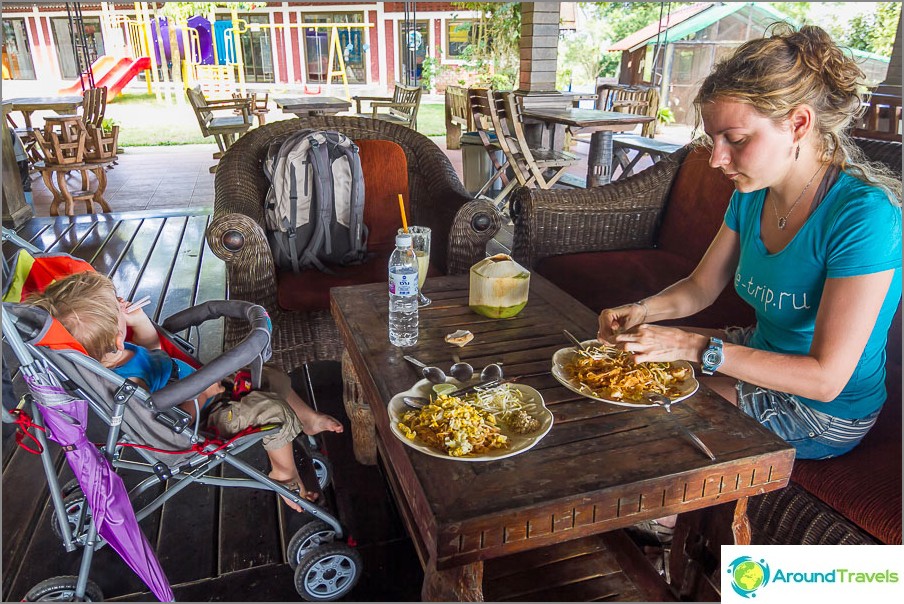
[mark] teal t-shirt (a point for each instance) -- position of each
(854, 231)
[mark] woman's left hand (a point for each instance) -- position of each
(657, 343)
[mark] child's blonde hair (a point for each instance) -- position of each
(87, 306)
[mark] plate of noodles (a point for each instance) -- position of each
(488, 424)
(605, 373)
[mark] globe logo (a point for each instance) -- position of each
(748, 575)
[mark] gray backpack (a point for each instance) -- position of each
(314, 209)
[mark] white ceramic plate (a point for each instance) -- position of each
(518, 443)
(563, 356)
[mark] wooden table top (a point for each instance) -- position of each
(600, 468)
(49, 103)
(311, 103)
(585, 118)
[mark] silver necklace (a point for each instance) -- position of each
(783, 220)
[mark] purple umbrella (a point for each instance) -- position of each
(65, 418)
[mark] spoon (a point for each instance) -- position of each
(415, 402)
(433, 374)
(461, 371)
(491, 372)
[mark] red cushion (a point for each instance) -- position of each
(696, 207)
(865, 484)
(606, 279)
(384, 167)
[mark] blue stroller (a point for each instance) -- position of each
(150, 434)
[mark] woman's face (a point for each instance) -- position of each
(749, 148)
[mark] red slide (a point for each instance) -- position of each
(112, 73)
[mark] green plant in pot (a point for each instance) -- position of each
(664, 117)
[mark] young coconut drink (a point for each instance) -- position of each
(498, 287)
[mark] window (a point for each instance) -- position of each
(66, 51)
(17, 63)
(413, 45)
(352, 41)
(256, 52)
(458, 38)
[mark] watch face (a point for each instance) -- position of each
(712, 357)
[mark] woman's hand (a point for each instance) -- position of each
(657, 343)
(620, 319)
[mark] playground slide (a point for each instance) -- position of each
(101, 66)
(116, 76)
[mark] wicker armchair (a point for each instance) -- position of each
(236, 232)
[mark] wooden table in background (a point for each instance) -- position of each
(312, 105)
(601, 123)
(60, 104)
(602, 467)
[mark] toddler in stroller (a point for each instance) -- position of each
(94, 510)
(87, 306)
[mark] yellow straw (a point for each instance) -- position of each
(402, 210)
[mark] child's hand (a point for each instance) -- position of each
(212, 390)
(144, 333)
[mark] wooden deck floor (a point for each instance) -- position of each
(220, 544)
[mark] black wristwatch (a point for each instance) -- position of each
(713, 357)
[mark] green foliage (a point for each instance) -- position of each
(107, 124)
(609, 22)
(431, 68)
(492, 51)
(181, 11)
(799, 12)
(665, 116)
(874, 32)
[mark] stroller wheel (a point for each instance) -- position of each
(77, 513)
(311, 535)
(62, 589)
(70, 487)
(327, 572)
(323, 469)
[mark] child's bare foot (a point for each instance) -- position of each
(295, 485)
(321, 422)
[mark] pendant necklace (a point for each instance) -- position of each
(783, 220)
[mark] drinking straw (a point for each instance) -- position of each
(402, 210)
(133, 306)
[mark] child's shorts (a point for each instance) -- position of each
(258, 408)
(812, 433)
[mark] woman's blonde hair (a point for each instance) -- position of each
(87, 306)
(789, 68)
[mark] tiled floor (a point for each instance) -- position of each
(149, 178)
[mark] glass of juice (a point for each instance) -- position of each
(420, 241)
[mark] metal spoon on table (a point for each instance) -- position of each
(433, 374)
(666, 403)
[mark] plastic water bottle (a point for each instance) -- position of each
(403, 320)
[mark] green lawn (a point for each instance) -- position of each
(145, 121)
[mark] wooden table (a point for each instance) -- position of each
(312, 105)
(60, 104)
(601, 123)
(602, 467)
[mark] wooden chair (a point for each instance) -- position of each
(94, 106)
(458, 115)
(639, 100)
(225, 130)
(481, 109)
(258, 105)
(531, 166)
(401, 108)
(882, 118)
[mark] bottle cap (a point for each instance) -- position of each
(403, 240)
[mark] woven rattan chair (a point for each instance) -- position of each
(236, 232)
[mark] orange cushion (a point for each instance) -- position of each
(385, 170)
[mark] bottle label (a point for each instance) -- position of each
(401, 284)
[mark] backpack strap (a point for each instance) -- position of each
(323, 204)
(357, 231)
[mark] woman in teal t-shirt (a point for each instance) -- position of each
(811, 240)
